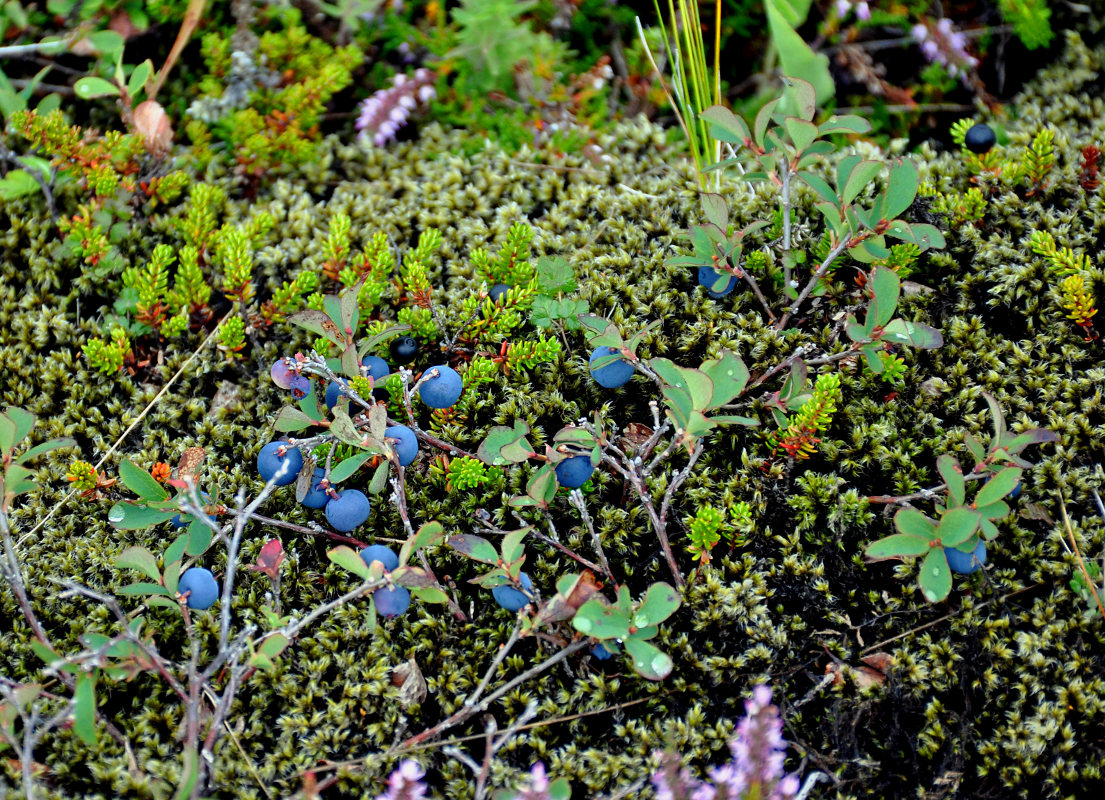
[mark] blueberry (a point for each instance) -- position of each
(378, 552)
(392, 602)
(374, 367)
(348, 510)
(281, 375)
(178, 521)
(615, 374)
(497, 291)
(571, 473)
(442, 391)
(403, 350)
(316, 497)
(333, 393)
(600, 652)
(979, 138)
(269, 463)
(510, 598)
(708, 276)
(301, 386)
(966, 563)
(201, 583)
(407, 446)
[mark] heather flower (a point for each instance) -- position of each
(756, 769)
(942, 44)
(862, 9)
(538, 788)
(385, 112)
(405, 783)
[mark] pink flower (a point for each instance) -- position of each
(385, 112)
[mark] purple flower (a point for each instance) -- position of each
(538, 788)
(942, 44)
(405, 783)
(385, 112)
(756, 769)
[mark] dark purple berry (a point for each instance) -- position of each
(497, 291)
(281, 375)
(406, 446)
(285, 468)
(615, 374)
(374, 367)
(571, 473)
(201, 586)
(979, 138)
(333, 394)
(316, 496)
(392, 602)
(301, 386)
(966, 563)
(708, 276)
(442, 390)
(348, 510)
(378, 552)
(403, 349)
(510, 598)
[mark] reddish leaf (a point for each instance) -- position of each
(269, 559)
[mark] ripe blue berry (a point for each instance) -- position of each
(392, 602)
(966, 563)
(316, 497)
(333, 393)
(600, 652)
(441, 391)
(301, 386)
(378, 552)
(348, 510)
(979, 138)
(571, 473)
(284, 468)
(178, 521)
(201, 583)
(615, 374)
(403, 350)
(407, 445)
(510, 598)
(708, 276)
(497, 291)
(281, 375)
(374, 367)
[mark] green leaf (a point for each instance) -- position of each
(975, 447)
(430, 595)
(848, 123)
(734, 419)
(371, 343)
(554, 275)
(901, 188)
(821, 186)
(138, 77)
(952, 474)
(475, 547)
(886, 286)
(199, 538)
(90, 87)
(998, 487)
(319, 323)
(957, 525)
(379, 478)
(175, 551)
(350, 313)
(189, 774)
(542, 486)
(796, 58)
(914, 334)
(342, 427)
(861, 174)
(143, 589)
(512, 547)
(18, 183)
(45, 447)
(350, 363)
(349, 560)
(648, 660)
(716, 210)
(346, 468)
(935, 578)
(290, 420)
(141, 559)
(725, 126)
(729, 376)
(802, 133)
(428, 534)
(412, 577)
(501, 437)
(84, 708)
(1029, 437)
(898, 545)
(596, 618)
(913, 522)
(141, 482)
(660, 602)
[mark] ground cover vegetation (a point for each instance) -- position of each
(391, 408)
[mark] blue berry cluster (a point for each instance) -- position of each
(391, 601)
